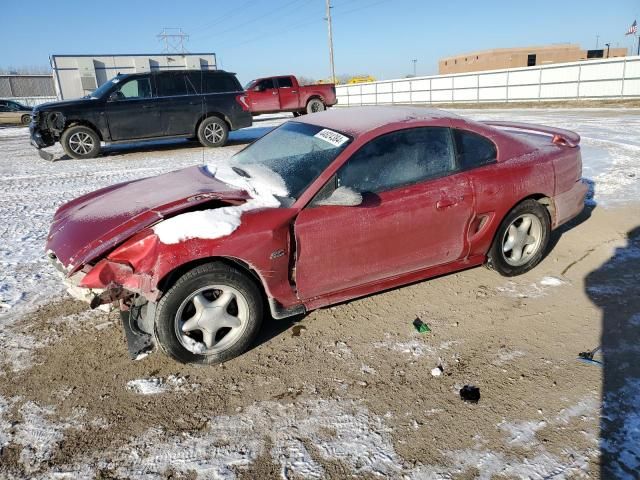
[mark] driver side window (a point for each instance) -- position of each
(136, 88)
(399, 159)
(266, 84)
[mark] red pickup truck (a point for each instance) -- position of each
(285, 94)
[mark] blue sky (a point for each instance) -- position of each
(265, 37)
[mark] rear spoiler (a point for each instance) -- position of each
(560, 136)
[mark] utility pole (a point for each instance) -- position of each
(333, 68)
(173, 42)
(415, 60)
(597, 41)
(608, 45)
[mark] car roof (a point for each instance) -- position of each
(176, 71)
(356, 121)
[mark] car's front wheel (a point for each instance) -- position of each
(25, 119)
(213, 132)
(521, 240)
(80, 142)
(210, 315)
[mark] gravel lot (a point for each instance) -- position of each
(346, 390)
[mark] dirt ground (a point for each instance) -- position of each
(349, 390)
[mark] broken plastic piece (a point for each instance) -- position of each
(470, 393)
(421, 326)
(587, 357)
(436, 372)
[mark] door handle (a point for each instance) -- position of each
(274, 93)
(447, 202)
(294, 91)
(148, 106)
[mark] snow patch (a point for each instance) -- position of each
(154, 386)
(263, 185)
(532, 290)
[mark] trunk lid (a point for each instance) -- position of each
(91, 225)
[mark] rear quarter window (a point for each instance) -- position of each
(220, 84)
(473, 150)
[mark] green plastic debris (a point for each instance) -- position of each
(421, 326)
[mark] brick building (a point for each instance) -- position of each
(499, 58)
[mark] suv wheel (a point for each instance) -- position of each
(213, 132)
(315, 105)
(212, 314)
(521, 240)
(80, 142)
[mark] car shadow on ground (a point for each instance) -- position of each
(238, 137)
(589, 207)
(615, 289)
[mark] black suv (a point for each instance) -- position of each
(144, 106)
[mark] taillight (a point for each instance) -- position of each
(242, 100)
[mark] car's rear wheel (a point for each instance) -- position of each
(521, 240)
(315, 105)
(213, 132)
(80, 142)
(25, 119)
(212, 314)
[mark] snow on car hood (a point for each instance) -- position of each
(263, 185)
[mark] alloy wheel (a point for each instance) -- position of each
(81, 143)
(211, 319)
(213, 132)
(522, 239)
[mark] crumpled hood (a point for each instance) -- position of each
(91, 225)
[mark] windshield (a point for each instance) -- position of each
(105, 87)
(296, 152)
(250, 85)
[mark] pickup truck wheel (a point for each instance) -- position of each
(315, 105)
(213, 132)
(210, 315)
(521, 240)
(25, 120)
(80, 142)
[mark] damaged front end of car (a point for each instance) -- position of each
(45, 130)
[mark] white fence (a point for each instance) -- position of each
(591, 79)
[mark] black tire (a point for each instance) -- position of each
(70, 142)
(500, 260)
(25, 120)
(315, 105)
(167, 323)
(213, 132)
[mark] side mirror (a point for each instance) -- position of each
(342, 197)
(113, 97)
(258, 88)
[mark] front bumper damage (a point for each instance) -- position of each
(136, 313)
(44, 130)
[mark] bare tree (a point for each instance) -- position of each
(302, 80)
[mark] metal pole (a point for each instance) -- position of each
(638, 37)
(414, 66)
(608, 47)
(597, 40)
(333, 69)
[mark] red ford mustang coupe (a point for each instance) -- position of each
(323, 209)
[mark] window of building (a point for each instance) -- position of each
(595, 53)
(531, 60)
(398, 159)
(473, 150)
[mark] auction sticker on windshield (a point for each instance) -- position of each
(334, 138)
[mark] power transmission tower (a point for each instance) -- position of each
(173, 39)
(333, 69)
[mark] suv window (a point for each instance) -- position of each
(169, 85)
(285, 82)
(217, 83)
(399, 158)
(266, 84)
(136, 88)
(194, 82)
(473, 150)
